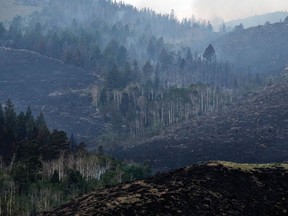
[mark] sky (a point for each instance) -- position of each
(213, 9)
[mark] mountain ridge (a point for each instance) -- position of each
(255, 20)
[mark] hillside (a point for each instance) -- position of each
(213, 188)
(62, 92)
(253, 130)
(149, 81)
(262, 49)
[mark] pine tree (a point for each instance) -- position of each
(10, 116)
(57, 143)
(148, 71)
(2, 122)
(73, 144)
(43, 131)
(2, 125)
(114, 78)
(9, 144)
(20, 128)
(209, 54)
(30, 124)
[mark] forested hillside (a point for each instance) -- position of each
(123, 74)
(41, 169)
(132, 73)
(254, 129)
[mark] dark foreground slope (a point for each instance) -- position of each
(254, 130)
(215, 188)
(62, 92)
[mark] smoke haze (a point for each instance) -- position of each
(210, 9)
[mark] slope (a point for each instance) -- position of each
(207, 189)
(262, 49)
(253, 130)
(62, 92)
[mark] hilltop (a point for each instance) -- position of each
(212, 188)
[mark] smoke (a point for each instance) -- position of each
(235, 9)
(211, 9)
(182, 8)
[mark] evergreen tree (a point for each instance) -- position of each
(2, 125)
(114, 80)
(73, 144)
(148, 71)
(2, 31)
(9, 144)
(129, 74)
(239, 28)
(2, 122)
(57, 143)
(189, 57)
(10, 116)
(209, 54)
(43, 131)
(20, 128)
(30, 124)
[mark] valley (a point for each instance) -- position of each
(124, 110)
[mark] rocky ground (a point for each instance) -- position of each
(214, 188)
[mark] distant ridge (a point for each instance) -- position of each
(259, 19)
(10, 9)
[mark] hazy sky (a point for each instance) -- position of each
(210, 9)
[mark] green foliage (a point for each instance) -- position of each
(30, 195)
(44, 171)
(75, 182)
(10, 116)
(143, 109)
(57, 143)
(55, 177)
(135, 172)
